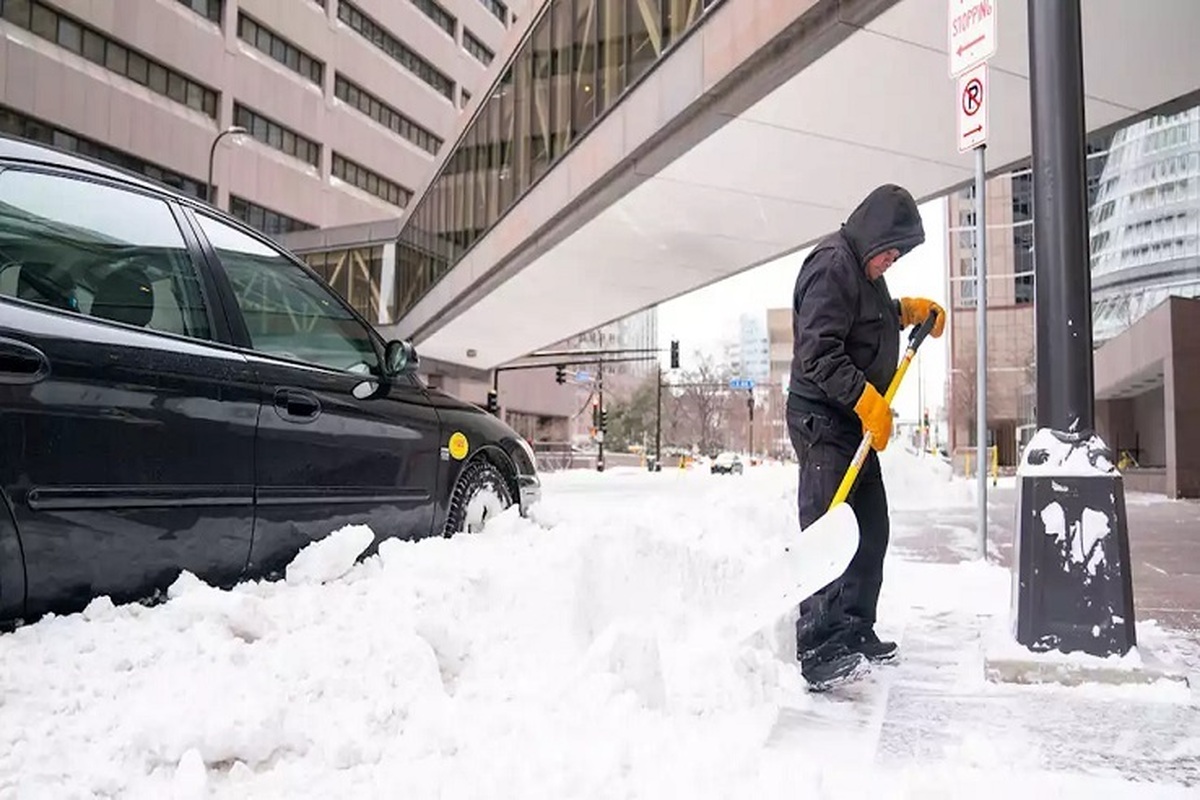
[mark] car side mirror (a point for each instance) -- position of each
(400, 357)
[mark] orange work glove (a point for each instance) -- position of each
(915, 310)
(876, 416)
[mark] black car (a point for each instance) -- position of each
(179, 393)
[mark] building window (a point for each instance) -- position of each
(375, 33)
(1022, 197)
(369, 181)
(99, 48)
(1023, 264)
(354, 274)
(210, 9)
(272, 223)
(498, 9)
(477, 48)
(280, 49)
(354, 95)
(17, 124)
(272, 134)
(439, 15)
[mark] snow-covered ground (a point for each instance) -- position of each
(566, 656)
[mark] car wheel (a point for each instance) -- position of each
(480, 494)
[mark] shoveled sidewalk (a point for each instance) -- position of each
(936, 723)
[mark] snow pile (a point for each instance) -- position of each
(916, 481)
(426, 668)
(1051, 453)
(329, 558)
(566, 655)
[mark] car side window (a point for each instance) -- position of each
(97, 250)
(288, 313)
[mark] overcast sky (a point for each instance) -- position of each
(706, 318)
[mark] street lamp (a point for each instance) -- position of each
(212, 151)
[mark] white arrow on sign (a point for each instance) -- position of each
(971, 33)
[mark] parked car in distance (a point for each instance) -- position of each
(726, 464)
(179, 393)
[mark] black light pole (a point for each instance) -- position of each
(1074, 589)
(233, 130)
(600, 410)
(1064, 302)
(750, 409)
(658, 422)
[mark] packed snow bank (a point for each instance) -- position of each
(512, 663)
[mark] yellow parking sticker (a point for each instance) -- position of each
(458, 445)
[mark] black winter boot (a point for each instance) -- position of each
(865, 641)
(831, 665)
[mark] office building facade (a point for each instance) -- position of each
(345, 102)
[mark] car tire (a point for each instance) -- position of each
(481, 492)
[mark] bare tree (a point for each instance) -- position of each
(702, 403)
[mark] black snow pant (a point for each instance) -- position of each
(825, 443)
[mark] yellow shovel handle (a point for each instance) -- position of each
(864, 447)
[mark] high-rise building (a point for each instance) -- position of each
(754, 349)
(344, 102)
(747, 354)
(1145, 221)
(779, 344)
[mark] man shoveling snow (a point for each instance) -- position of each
(846, 328)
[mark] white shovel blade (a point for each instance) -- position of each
(817, 557)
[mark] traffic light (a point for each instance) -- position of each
(927, 418)
(560, 374)
(493, 402)
(604, 420)
(674, 354)
(595, 415)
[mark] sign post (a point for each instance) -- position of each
(971, 36)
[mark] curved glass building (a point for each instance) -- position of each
(1145, 221)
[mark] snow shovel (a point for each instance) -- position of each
(864, 447)
(822, 551)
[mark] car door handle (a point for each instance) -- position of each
(21, 362)
(297, 405)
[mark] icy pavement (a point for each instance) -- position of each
(568, 656)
